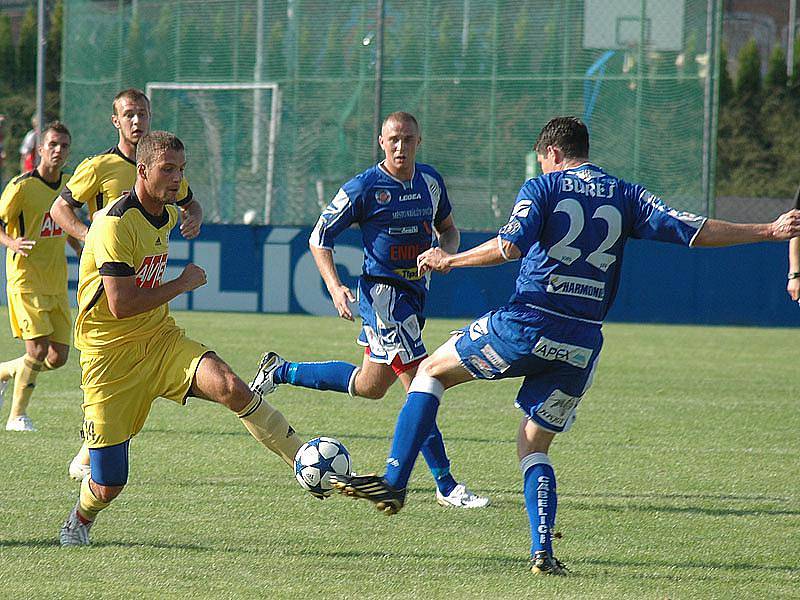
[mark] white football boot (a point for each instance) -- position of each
(264, 382)
(462, 497)
(21, 423)
(75, 532)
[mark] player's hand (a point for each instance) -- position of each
(793, 287)
(193, 277)
(787, 226)
(342, 296)
(433, 259)
(22, 245)
(190, 224)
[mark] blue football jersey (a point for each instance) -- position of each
(396, 219)
(571, 227)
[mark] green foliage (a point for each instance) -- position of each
(748, 79)
(208, 513)
(7, 56)
(776, 78)
(26, 50)
(726, 89)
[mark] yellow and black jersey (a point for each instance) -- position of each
(124, 241)
(24, 212)
(103, 178)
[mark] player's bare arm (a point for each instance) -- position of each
(448, 235)
(20, 245)
(126, 299)
(76, 245)
(491, 252)
(191, 219)
(341, 295)
(793, 286)
(722, 233)
(64, 214)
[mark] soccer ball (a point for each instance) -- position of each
(317, 460)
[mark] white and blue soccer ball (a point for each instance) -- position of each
(319, 459)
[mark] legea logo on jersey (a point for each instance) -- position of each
(383, 197)
(50, 228)
(152, 270)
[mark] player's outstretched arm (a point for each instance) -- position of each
(793, 286)
(448, 235)
(63, 214)
(341, 295)
(722, 233)
(126, 299)
(491, 252)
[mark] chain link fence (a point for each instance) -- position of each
(276, 100)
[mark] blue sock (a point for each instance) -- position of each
(435, 455)
(540, 499)
(331, 375)
(414, 424)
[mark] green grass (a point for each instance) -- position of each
(679, 480)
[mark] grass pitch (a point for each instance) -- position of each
(679, 480)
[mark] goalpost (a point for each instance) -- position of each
(256, 133)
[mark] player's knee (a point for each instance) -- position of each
(37, 352)
(57, 359)
(106, 493)
(371, 389)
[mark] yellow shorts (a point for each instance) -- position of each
(36, 315)
(120, 384)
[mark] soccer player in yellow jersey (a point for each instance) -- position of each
(36, 273)
(131, 349)
(101, 179)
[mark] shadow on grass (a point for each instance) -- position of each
(54, 543)
(740, 566)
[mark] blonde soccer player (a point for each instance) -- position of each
(104, 177)
(131, 349)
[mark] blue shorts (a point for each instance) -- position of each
(392, 322)
(554, 354)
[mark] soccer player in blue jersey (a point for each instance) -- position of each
(402, 208)
(569, 227)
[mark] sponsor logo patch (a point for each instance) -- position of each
(50, 228)
(510, 228)
(483, 367)
(151, 271)
(577, 286)
(577, 356)
(407, 197)
(494, 358)
(410, 274)
(404, 230)
(558, 408)
(479, 328)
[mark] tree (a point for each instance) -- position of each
(725, 82)
(26, 50)
(748, 79)
(776, 78)
(7, 58)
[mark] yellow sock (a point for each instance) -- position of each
(9, 368)
(270, 428)
(89, 505)
(24, 382)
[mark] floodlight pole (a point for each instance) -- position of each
(790, 35)
(376, 119)
(41, 47)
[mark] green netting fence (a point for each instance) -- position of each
(276, 100)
